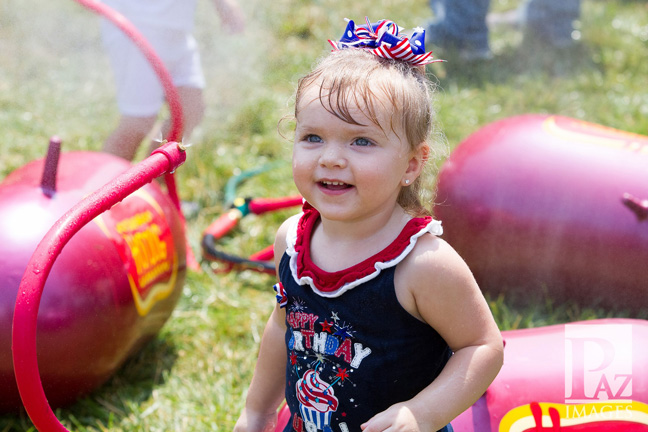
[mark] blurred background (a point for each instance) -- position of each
(55, 79)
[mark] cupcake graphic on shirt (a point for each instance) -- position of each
(317, 401)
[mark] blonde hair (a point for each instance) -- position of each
(354, 77)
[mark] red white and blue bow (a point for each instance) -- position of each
(281, 296)
(384, 40)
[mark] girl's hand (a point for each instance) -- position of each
(251, 421)
(397, 418)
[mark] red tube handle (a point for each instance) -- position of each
(637, 206)
(224, 224)
(263, 205)
(265, 254)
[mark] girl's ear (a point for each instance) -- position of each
(418, 159)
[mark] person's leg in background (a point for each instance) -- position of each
(124, 141)
(140, 94)
(193, 111)
(127, 136)
(551, 21)
(460, 25)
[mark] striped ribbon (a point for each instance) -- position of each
(385, 40)
(281, 296)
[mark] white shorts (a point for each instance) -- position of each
(139, 91)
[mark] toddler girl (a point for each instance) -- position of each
(379, 323)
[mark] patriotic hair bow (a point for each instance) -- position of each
(384, 40)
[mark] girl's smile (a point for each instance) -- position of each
(334, 187)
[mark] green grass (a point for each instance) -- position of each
(54, 79)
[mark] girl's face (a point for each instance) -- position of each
(346, 171)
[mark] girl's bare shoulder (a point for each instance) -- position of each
(280, 242)
(443, 292)
(433, 256)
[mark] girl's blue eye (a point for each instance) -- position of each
(313, 138)
(362, 142)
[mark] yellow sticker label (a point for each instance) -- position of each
(616, 415)
(590, 133)
(140, 231)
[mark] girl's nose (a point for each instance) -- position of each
(332, 156)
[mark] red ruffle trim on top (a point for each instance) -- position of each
(328, 282)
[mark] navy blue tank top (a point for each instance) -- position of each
(352, 350)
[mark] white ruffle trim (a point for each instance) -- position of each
(434, 228)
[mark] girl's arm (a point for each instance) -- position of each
(267, 389)
(435, 285)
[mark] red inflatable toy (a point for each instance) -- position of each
(584, 376)
(109, 247)
(111, 289)
(546, 203)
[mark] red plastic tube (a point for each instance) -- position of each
(165, 159)
(262, 205)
